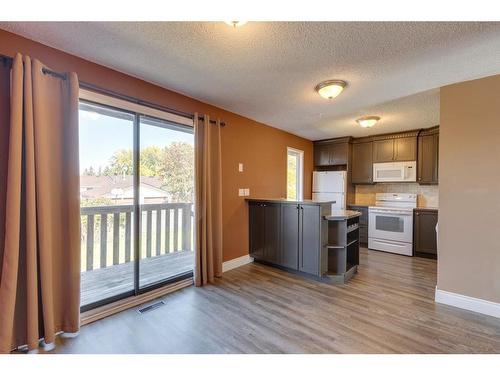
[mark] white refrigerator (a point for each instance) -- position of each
(330, 186)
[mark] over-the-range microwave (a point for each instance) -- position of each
(402, 171)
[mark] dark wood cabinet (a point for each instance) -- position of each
(264, 231)
(362, 164)
(395, 149)
(257, 229)
(309, 239)
(331, 152)
(405, 149)
(290, 237)
(288, 234)
(383, 151)
(272, 248)
(424, 232)
(363, 223)
(339, 153)
(428, 157)
(321, 155)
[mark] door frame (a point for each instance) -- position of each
(138, 111)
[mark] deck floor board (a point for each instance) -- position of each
(107, 282)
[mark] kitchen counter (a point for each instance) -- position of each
(426, 209)
(286, 200)
(342, 215)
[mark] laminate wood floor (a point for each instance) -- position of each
(388, 307)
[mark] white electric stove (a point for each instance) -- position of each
(390, 223)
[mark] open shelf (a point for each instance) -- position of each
(342, 250)
(352, 228)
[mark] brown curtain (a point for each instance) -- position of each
(208, 201)
(40, 277)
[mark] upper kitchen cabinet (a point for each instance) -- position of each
(428, 156)
(361, 165)
(395, 147)
(383, 150)
(405, 149)
(331, 152)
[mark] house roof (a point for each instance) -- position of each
(102, 186)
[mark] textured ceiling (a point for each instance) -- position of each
(267, 70)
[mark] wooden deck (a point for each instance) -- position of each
(107, 282)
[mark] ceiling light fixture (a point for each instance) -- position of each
(367, 121)
(331, 88)
(236, 24)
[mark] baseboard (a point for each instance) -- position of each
(478, 305)
(236, 262)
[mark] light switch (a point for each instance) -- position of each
(241, 192)
(240, 167)
(247, 192)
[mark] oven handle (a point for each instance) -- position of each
(390, 213)
(393, 243)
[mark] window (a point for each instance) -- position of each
(295, 174)
(136, 193)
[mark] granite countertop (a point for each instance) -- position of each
(285, 200)
(342, 214)
(426, 208)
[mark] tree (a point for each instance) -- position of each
(174, 164)
(178, 171)
(291, 178)
(120, 163)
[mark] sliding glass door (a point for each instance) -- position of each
(107, 197)
(166, 200)
(131, 163)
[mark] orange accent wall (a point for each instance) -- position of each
(261, 148)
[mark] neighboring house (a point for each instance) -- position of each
(120, 189)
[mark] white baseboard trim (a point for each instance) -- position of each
(236, 262)
(478, 305)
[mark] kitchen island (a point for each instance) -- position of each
(292, 235)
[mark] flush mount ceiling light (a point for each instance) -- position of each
(367, 121)
(331, 88)
(236, 24)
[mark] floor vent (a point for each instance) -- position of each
(151, 307)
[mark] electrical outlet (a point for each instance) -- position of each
(240, 167)
(241, 192)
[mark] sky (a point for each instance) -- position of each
(101, 136)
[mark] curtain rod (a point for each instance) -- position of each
(142, 102)
(63, 76)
